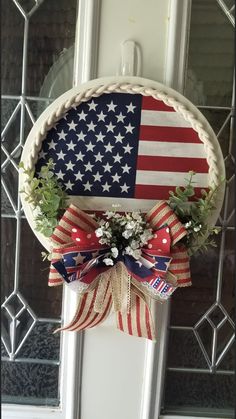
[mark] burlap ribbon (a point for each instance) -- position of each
(117, 287)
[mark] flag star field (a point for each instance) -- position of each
(124, 146)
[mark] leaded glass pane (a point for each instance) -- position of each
(37, 64)
(200, 363)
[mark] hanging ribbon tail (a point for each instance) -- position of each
(86, 317)
(138, 321)
(180, 266)
(61, 237)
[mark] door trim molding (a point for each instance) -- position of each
(174, 77)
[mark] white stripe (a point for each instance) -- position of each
(165, 149)
(90, 203)
(148, 177)
(103, 204)
(163, 119)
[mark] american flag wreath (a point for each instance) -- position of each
(118, 154)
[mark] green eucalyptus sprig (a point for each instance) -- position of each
(194, 215)
(46, 196)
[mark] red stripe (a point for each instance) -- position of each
(180, 271)
(88, 313)
(157, 210)
(138, 315)
(120, 321)
(57, 239)
(81, 217)
(55, 280)
(184, 281)
(160, 192)
(149, 103)
(175, 261)
(172, 164)
(129, 322)
(147, 320)
(80, 311)
(104, 314)
(71, 223)
(63, 230)
(168, 134)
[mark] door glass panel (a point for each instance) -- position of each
(37, 66)
(200, 363)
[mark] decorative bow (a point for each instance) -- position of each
(162, 267)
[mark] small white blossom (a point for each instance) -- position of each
(108, 261)
(187, 225)
(104, 241)
(126, 234)
(114, 252)
(99, 232)
(137, 253)
(198, 228)
(130, 225)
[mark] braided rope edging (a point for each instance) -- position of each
(76, 100)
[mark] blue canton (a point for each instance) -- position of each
(94, 147)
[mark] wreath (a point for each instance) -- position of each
(120, 260)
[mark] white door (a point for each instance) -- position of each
(102, 373)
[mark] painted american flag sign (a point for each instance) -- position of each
(126, 148)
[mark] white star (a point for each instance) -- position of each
(52, 144)
(117, 158)
(97, 176)
(90, 146)
(108, 147)
(100, 137)
(106, 187)
(62, 135)
(80, 156)
(107, 167)
(111, 106)
(81, 136)
(60, 175)
(91, 126)
(124, 188)
(92, 106)
(42, 154)
(129, 128)
(98, 157)
(119, 138)
(82, 115)
(110, 127)
(69, 185)
(72, 125)
(87, 186)
(120, 117)
(116, 178)
(88, 167)
(139, 263)
(69, 165)
(130, 107)
(127, 148)
(71, 145)
(78, 176)
(61, 155)
(126, 168)
(101, 116)
(79, 259)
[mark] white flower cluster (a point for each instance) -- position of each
(123, 234)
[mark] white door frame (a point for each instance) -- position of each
(85, 64)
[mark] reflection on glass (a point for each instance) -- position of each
(37, 45)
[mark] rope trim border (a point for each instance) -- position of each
(86, 95)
